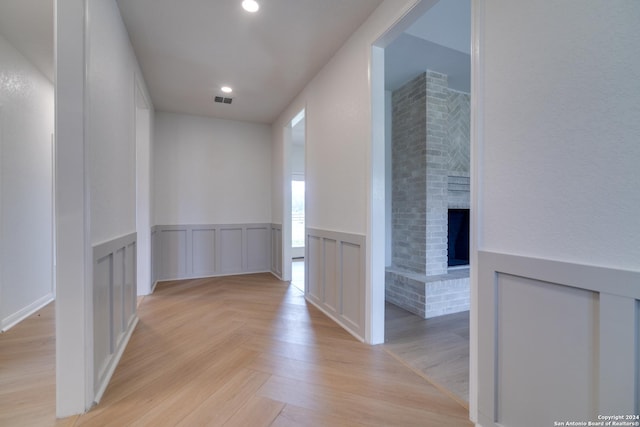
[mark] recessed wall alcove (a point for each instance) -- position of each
(430, 187)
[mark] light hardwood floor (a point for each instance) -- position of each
(28, 373)
(233, 351)
(437, 348)
(297, 274)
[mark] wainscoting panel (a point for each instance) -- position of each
(130, 284)
(114, 305)
(557, 326)
(335, 277)
(206, 250)
(557, 341)
(314, 270)
(102, 345)
(155, 256)
(117, 298)
(257, 246)
(173, 252)
(230, 250)
(331, 299)
(352, 284)
(276, 250)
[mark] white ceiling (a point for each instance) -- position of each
(28, 26)
(440, 40)
(189, 48)
(447, 23)
(408, 56)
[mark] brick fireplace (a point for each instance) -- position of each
(430, 176)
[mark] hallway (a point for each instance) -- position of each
(241, 350)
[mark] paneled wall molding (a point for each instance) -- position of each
(575, 326)
(114, 305)
(335, 277)
(206, 250)
(624, 283)
(276, 250)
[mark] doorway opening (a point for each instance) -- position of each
(426, 96)
(143, 171)
(297, 205)
(297, 231)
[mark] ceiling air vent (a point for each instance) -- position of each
(223, 100)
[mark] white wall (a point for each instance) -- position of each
(26, 129)
(556, 205)
(560, 167)
(114, 128)
(338, 123)
(211, 171)
(336, 170)
(111, 74)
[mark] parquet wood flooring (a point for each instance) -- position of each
(437, 348)
(246, 351)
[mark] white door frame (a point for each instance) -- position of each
(143, 166)
(286, 192)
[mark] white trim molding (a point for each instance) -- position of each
(17, 317)
(477, 143)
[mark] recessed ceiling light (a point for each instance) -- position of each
(250, 5)
(226, 89)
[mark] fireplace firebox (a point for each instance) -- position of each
(458, 237)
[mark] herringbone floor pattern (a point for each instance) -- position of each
(232, 351)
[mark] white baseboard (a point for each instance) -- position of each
(17, 317)
(277, 276)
